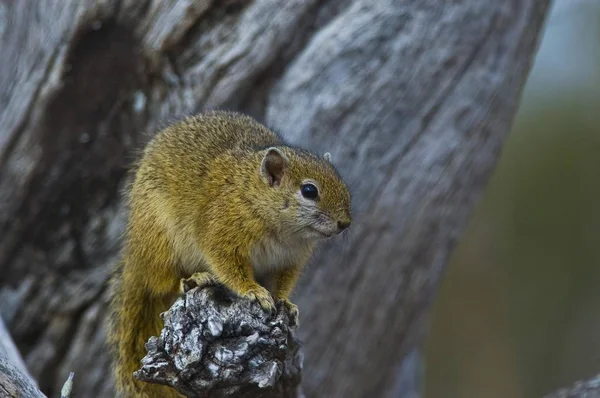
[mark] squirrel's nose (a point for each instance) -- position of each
(342, 225)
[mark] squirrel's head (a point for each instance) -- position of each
(311, 199)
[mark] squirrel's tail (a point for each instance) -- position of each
(134, 317)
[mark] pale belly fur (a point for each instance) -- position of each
(267, 256)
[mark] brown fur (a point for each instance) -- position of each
(210, 199)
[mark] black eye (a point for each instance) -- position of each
(309, 191)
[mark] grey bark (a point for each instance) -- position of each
(216, 345)
(15, 380)
(14, 383)
(413, 99)
(11, 353)
(582, 389)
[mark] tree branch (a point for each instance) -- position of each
(15, 380)
(9, 350)
(217, 345)
(14, 383)
(582, 389)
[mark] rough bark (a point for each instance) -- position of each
(413, 99)
(217, 345)
(10, 352)
(581, 389)
(14, 383)
(15, 380)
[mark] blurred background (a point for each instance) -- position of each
(518, 313)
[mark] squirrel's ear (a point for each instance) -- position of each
(327, 157)
(273, 166)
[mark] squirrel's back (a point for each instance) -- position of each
(196, 141)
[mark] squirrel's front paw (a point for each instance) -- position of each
(293, 311)
(263, 297)
(199, 279)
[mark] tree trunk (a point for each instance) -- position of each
(581, 389)
(413, 99)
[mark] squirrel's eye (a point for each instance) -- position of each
(309, 191)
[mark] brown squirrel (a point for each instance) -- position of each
(217, 198)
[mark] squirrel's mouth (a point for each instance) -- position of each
(321, 233)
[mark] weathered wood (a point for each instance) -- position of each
(9, 351)
(15, 380)
(14, 383)
(582, 389)
(413, 99)
(67, 388)
(217, 345)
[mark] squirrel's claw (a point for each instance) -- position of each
(293, 313)
(263, 297)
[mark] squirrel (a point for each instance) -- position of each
(216, 198)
